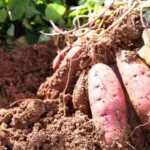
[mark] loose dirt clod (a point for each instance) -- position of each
(32, 110)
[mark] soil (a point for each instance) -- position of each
(32, 123)
(22, 71)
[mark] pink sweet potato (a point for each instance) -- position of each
(59, 58)
(80, 96)
(136, 78)
(69, 52)
(63, 77)
(107, 103)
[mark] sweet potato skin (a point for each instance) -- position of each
(107, 102)
(136, 78)
(59, 58)
(80, 98)
(70, 52)
(66, 71)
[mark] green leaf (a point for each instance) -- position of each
(35, 1)
(31, 11)
(72, 14)
(38, 20)
(91, 2)
(11, 30)
(43, 28)
(41, 8)
(26, 23)
(1, 3)
(43, 38)
(83, 11)
(100, 2)
(3, 15)
(147, 16)
(56, 1)
(9, 40)
(17, 8)
(100, 10)
(42, 1)
(54, 12)
(79, 12)
(32, 37)
(98, 5)
(81, 2)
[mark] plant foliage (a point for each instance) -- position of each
(29, 17)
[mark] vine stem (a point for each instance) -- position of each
(120, 19)
(83, 26)
(141, 125)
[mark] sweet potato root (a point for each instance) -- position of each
(80, 98)
(69, 52)
(136, 78)
(107, 103)
(64, 75)
(59, 58)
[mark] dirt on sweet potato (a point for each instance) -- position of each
(40, 123)
(107, 103)
(135, 75)
(80, 95)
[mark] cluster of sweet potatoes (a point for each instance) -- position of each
(106, 96)
(95, 88)
(101, 89)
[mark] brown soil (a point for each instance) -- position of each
(48, 121)
(38, 124)
(22, 71)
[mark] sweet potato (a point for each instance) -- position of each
(64, 75)
(59, 58)
(136, 78)
(67, 53)
(107, 103)
(80, 98)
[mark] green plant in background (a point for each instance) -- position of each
(26, 18)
